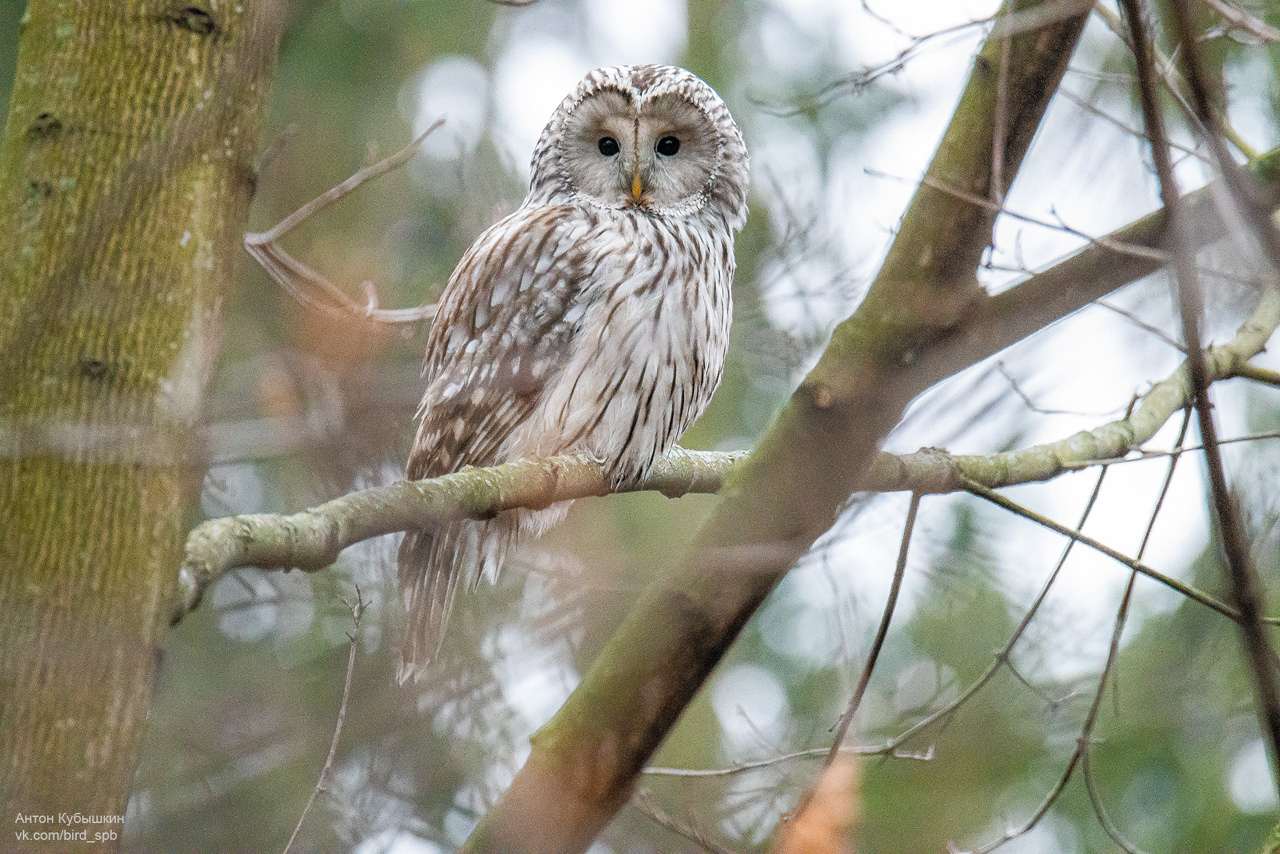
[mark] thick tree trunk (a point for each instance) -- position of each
(125, 178)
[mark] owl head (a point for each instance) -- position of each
(650, 138)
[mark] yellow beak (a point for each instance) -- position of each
(637, 188)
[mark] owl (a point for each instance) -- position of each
(592, 320)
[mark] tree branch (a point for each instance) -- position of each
(1246, 587)
(312, 539)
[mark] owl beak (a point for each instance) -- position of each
(637, 186)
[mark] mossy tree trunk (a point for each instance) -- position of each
(125, 178)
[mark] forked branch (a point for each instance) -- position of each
(311, 288)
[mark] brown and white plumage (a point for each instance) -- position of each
(594, 319)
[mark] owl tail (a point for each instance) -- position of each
(432, 564)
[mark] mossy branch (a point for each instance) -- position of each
(312, 539)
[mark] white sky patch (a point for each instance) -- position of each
(532, 78)
(1252, 786)
(800, 623)
(634, 34)
(455, 88)
(748, 700)
(1251, 114)
(533, 685)
(397, 842)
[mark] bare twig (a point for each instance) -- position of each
(273, 149)
(1106, 242)
(1086, 731)
(642, 801)
(864, 678)
(357, 611)
(1145, 455)
(1241, 19)
(1016, 387)
(1093, 109)
(886, 751)
(1169, 76)
(1209, 601)
(308, 286)
(1084, 743)
(1258, 375)
(899, 571)
(860, 80)
(1104, 818)
(1143, 325)
(1003, 656)
(312, 539)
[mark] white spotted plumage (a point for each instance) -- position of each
(594, 319)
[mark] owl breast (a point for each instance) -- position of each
(650, 330)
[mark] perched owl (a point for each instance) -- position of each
(594, 319)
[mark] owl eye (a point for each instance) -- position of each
(608, 146)
(667, 146)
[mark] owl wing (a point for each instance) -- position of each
(503, 330)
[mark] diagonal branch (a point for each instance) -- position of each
(311, 288)
(1243, 577)
(864, 678)
(312, 539)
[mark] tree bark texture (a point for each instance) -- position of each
(125, 178)
(790, 490)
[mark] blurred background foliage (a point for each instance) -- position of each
(305, 407)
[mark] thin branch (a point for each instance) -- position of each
(1245, 583)
(899, 571)
(312, 539)
(1086, 731)
(357, 611)
(1241, 19)
(308, 286)
(1016, 388)
(1104, 818)
(1003, 656)
(1258, 375)
(1174, 83)
(1212, 127)
(1143, 325)
(1209, 601)
(1093, 109)
(1084, 743)
(859, 80)
(273, 149)
(645, 803)
(886, 751)
(1137, 250)
(932, 471)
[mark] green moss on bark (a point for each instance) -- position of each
(125, 177)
